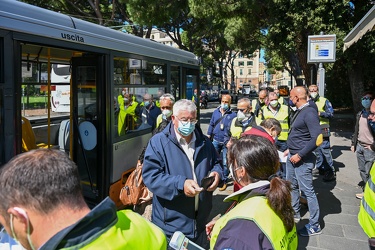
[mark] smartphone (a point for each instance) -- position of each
(206, 182)
(180, 242)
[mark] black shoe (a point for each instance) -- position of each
(322, 171)
(319, 171)
(329, 176)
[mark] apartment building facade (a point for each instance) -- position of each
(246, 71)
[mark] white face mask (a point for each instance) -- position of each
(166, 113)
(314, 95)
(274, 103)
(240, 115)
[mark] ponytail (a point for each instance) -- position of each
(280, 200)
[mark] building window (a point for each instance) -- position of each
(241, 63)
(241, 72)
(249, 63)
(249, 71)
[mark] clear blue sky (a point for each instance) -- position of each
(261, 55)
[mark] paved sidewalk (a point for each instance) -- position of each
(338, 204)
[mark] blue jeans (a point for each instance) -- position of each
(221, 149)
(301, 178)
(323, 154)
(365, 158)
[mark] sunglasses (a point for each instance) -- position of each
(242, 110)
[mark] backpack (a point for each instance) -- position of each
(134, 191)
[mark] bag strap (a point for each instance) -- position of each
(217, 122)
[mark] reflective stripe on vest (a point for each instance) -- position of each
(366, 216)
(131, 231)
(264, 217)
(282, 116)
(320, 103)
(236, 131)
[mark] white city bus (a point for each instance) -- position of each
(60, 88)
(103, 63)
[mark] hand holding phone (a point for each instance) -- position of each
(206, 182)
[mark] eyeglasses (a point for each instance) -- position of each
(366, 98)
(234, 169)
(242, 110)
(185, 121)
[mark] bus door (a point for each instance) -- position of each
(88, 124)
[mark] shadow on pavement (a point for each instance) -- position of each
(328, 204)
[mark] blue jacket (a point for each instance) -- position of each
(150, 114)
(165, 169)
(221, 129)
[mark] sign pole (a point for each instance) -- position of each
(321, 72)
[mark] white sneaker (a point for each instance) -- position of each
(359, 196)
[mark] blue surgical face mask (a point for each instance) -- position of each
(291, 104)
(186, 129)
(366, 103)
(224, 106)
(146, 103)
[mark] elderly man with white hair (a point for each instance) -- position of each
(175, 163)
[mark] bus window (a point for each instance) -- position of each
(154, 74)
(175, 81)
(60, 88)
(128, 107)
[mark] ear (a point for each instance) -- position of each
(241, 171)
(19, 216)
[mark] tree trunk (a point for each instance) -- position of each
(356, 85)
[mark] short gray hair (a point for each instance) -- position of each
(184, 105)
(147, 96)
(168, 96)
(245, 100)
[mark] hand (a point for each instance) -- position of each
(286, 152)
(368, 147)
(191, 188)
(295, 159)
(352, 148)
(210, 225)
(215, 183)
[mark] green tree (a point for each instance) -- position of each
(96, 11)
